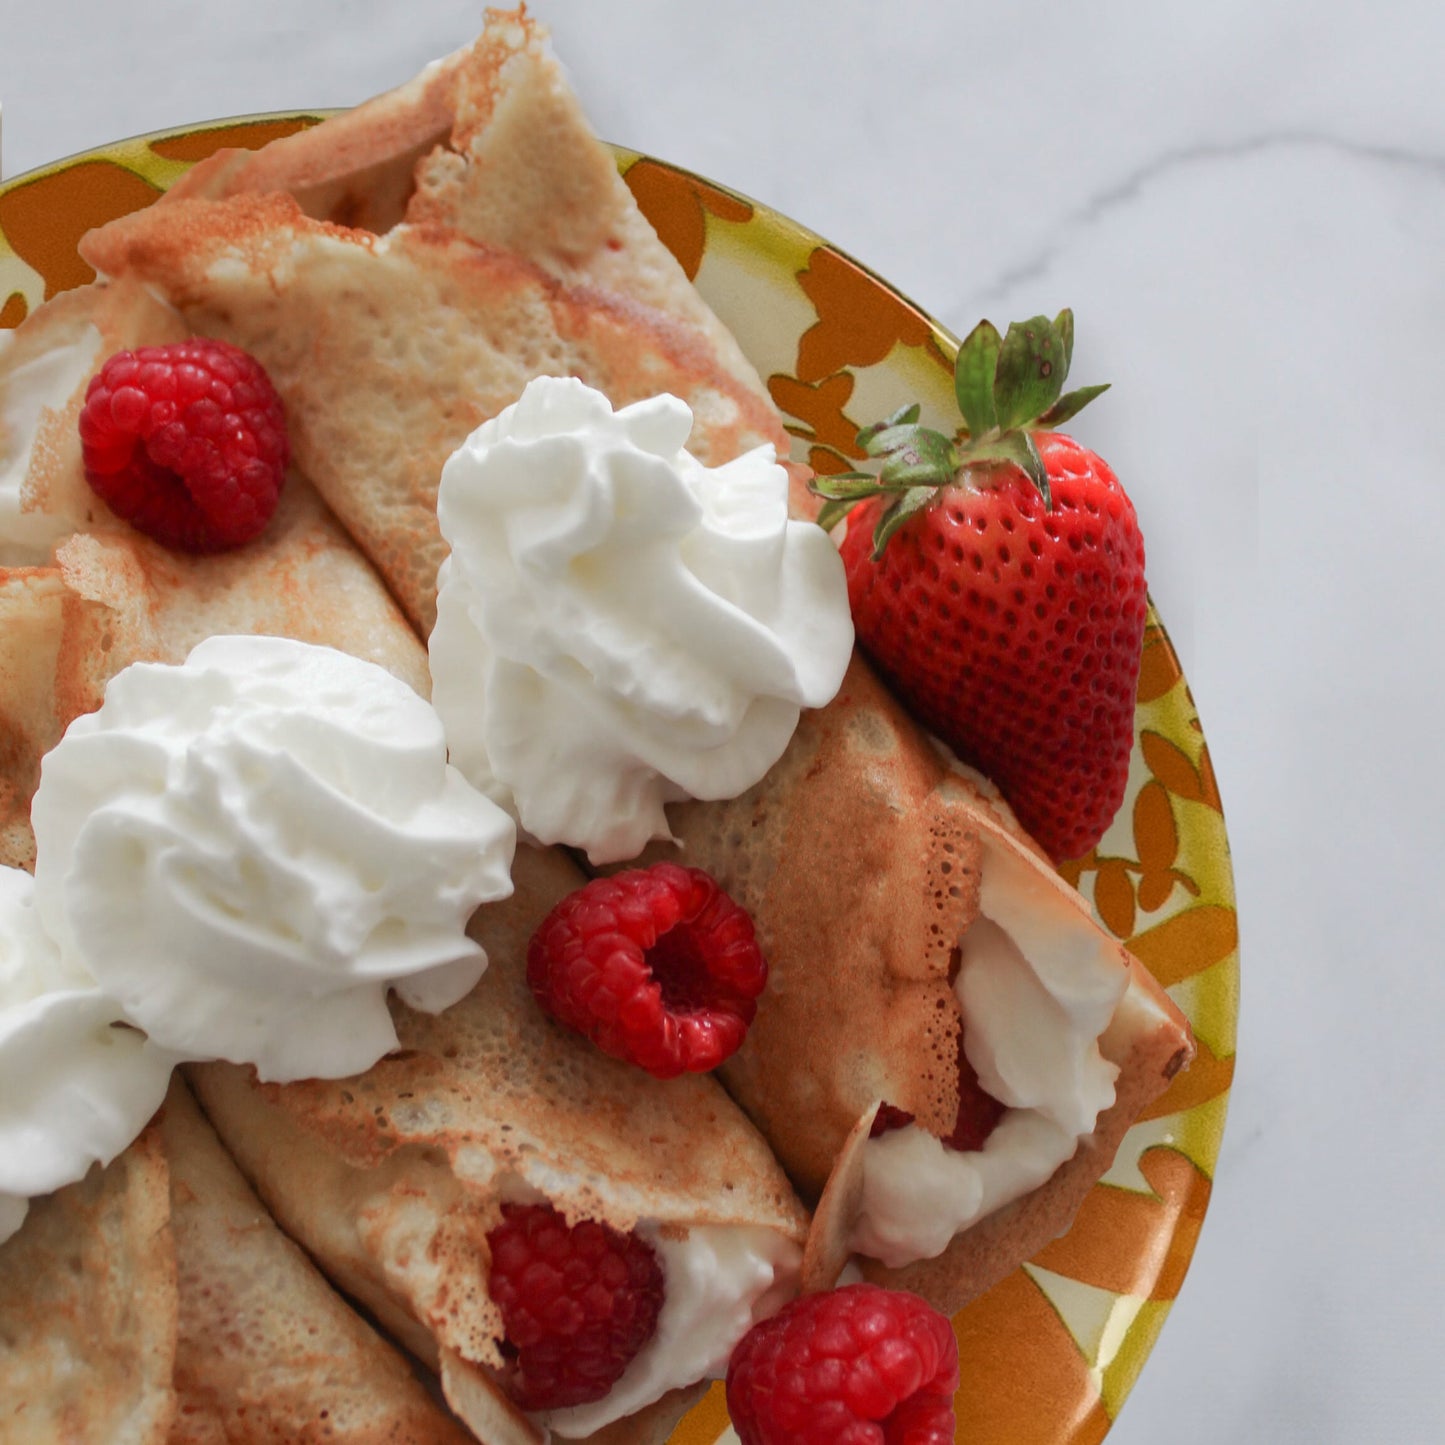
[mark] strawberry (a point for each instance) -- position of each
(996, 579)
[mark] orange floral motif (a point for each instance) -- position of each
(1039, 1391)
(12, 313)
(678, 205)
(1158, 667)
(1132, 1243)
(1145, 882)
(859, 321)
(250, 135)
(819, 406)
(1171, 766)
(1187, 943)
(44, 219)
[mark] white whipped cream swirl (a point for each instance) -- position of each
(76, 1085)
(618, 626)
(247, 851)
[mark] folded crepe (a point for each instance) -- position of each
(88, 1306)
(267, 1350)
(431, 326)
(865, 939)
(393, 1180)
(88, 1310)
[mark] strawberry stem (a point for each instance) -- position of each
(1007, 387)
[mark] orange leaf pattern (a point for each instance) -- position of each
(819, 406)
(859, 321)
(44, 220)
(1035, 1371)
(678, 205)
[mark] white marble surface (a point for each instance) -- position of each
(1245, 205)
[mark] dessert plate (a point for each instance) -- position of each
(1049, 1355)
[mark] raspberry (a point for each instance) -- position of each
(578, 1302)
(977, 1117)
(186, 442)
(854, 1366)
(657, 966)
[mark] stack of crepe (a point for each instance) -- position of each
(213, 1325)
(402, 272)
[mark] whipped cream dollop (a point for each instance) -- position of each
(27, 389)
(1037, 992)
(249, 850)
(76, 1084)
(719, 1280)
(618, 626)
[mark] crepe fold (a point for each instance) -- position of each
(393, 1180)
(88, 1310)
(267, 1351)
(860, 858)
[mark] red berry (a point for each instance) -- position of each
(854, 1366)
(656, 965)
(578, 1302)
(1015, 632)
(186, 442)
(977, 1117)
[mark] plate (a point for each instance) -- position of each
(1049, 1355)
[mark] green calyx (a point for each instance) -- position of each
(1007, 388)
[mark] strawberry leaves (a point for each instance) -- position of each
(973, 377)
(1006, 387)
(1029, 376)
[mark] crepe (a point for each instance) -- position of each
(516, 259)
(87, 1354)
(88, 1314)
(266, 1350)
(386, 1177)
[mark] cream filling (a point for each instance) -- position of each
(1037, 991)
(26, 392)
